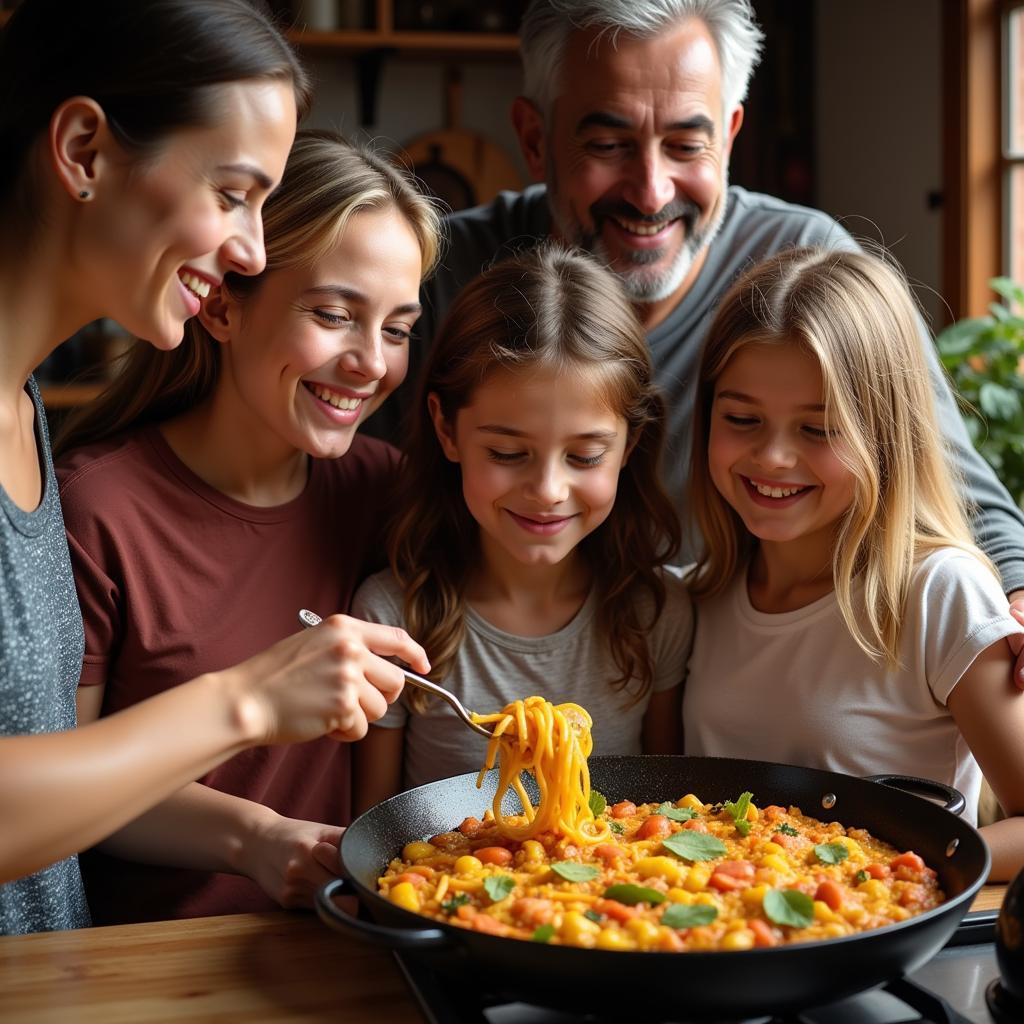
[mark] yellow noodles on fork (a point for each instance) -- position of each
(552, 742)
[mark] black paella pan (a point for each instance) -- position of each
(686, 985)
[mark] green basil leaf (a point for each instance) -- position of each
(593, 915)
(831, 853)
(617, 827)
(545, 933)
(787, 830)
(597, 803)
(631, 895)
(861, 876)
(679, 915)
(573, 872)
(694, 845)
(738, 810)
(789, 906)
(498, 886)
(674, 813)
(458, 900)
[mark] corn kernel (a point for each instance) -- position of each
(578, 930)
(752, 813)
(874, 889)
(754, 894)
(742, 938)
(771, 847)
(404, 895)
(690, 801)
(697, 877)
(468, 865)
(417, 851)
(645, 932)
(614, 938)
(773, 860)
(835, 930)
(823, 912)
(533, 852)
(677, 895)
(661, 867)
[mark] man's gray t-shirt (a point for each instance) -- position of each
(755, 226)
(42, 646)
(493, 668)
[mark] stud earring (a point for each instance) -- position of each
(83, 194)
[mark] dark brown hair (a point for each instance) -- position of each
(555, 308)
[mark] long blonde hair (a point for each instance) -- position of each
(553, 308)
(327, 180)
(853, 312)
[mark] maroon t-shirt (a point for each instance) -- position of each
(175, 579)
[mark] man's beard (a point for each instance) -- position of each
(641, 283)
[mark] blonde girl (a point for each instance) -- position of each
(532, 526)
(846, 620)
(215, 490)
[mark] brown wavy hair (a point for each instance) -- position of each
(326, 181)
(853, 312)
(552, 308)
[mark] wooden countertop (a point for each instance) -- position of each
(247, 967)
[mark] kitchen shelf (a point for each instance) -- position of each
(426, 44)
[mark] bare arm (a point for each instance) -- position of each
(62, 792)
(377, 767)
(663, 725)
(201, 828)
(989, 711)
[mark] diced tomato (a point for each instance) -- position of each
(830, 893)
(879, 871)
(413, 877)
(466, 912)
(764, 934)
(615, 910)
(773, 813)
(912, 896)
(670, 941)
(609, 853)
(532, 912)
(488, 925)
(695, 825)
(788, 842)
(654, 827)
(470, 826)
(736, 868)
(623, 809)
(907, 860)
(726, 883)
(494, 855)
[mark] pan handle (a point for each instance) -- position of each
(394, 938)
(954, 799)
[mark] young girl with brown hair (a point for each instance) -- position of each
(532, 526)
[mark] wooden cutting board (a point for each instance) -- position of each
(459, 166)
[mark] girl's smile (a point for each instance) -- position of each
(770, 453)
(540, 463)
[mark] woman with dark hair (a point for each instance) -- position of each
(138, 143)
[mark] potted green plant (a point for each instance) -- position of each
(985, 358)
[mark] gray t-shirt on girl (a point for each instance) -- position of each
(40, 662)
(493, 668)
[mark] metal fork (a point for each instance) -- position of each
(310, 619)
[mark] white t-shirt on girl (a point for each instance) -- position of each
(493, 668)
(796, 689)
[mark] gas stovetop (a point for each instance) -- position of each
(949, 989)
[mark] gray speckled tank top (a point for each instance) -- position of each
(41, 647)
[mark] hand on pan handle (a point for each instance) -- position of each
(290, 859)
(332, 680)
